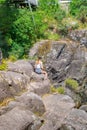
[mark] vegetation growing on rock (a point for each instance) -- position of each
(71, 83)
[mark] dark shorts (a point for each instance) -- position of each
(38, 70)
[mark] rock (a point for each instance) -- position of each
(47, 126)
(21, 66)
(83, 107)
(76, 120)
(11, 83)
(37, 77)
(79, 36)
(34, 51)
(57, 108)
(33, 102)
(40, 88)
(17, 119)
(28, 100)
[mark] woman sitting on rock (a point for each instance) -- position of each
(39, 67)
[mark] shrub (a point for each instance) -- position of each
(78, 8)
(71, 83)
(3, 65)
(12, 58)
(59, 90)
(82, 14)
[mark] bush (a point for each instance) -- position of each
(82, 14)
(59, 90)
(71, 83)
(3, 65)
(78, 8)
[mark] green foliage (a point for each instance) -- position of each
(3, 65)
(21, 28)
(16, 51)
(63, 30)
(78, 8)
(82, 14)
(59, 90)
(53, 36)
(12, 58)
(71, 83)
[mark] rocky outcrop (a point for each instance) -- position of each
(19, 77)
(57, 108)
(28, 100)
(21, 66)
(11, 83)
(39, 84)
(19, 119)
(76, 120)
(36, 107)
(66, 59)
(79, 36)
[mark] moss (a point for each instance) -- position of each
(59, 90)
(71, 83)
(3, 65)
(12, 58)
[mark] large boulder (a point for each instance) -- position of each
(19, 118)
(76, 120)
(57, 108)
(64, 59)
(21, 66)
(32, 102)
(28, 100)
(11, 83)
(79, 36)
(40, 88)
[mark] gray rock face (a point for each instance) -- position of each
(34, 50)
(11, 83)
(32, 102)
(79, 36)
(21, 66)
(57, 108)
(28, 100)
(83, 107)
(40, 88)
(17, 119)
(66, 62)
(65, 59)
(76, 120)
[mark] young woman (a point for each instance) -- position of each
(39, 67)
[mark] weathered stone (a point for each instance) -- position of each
(76, 120)
(17, 119)
(47, 126)
(79, 36)
(11, 83)
(21, 66)
(57, 107)
(28, 100)
(83, 107)
(40, 88)
(32, 102)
